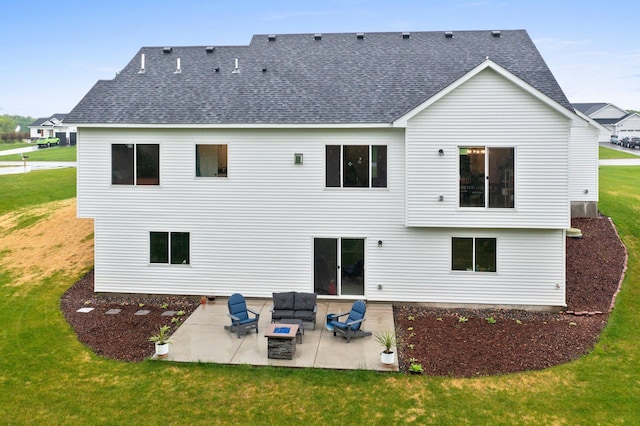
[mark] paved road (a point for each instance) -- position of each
(13, 167)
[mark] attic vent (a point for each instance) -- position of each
(317, 37)
(167, 50)
(209, 49)
(236, 70)
(178, 69)
(217, 69)
(264, 69)
(141, 64)
(448, 34)
(406, 36)
(360, 36)
(271, 37)
(496, 33)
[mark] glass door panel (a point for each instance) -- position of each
(352, 266)
(325, 268)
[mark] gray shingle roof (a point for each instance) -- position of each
(41, 121)
(589, 108)
(296, 78)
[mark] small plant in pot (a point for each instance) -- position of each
(162, 341)
(388, 340)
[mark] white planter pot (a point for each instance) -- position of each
(162, 349)
(387, 358)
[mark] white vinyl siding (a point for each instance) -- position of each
(490, 111)
(253, 231)
(584, 164)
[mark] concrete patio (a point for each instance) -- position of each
(202, 338)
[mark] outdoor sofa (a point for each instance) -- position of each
(294, 305)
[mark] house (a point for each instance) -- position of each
(435, 167)
(53, 126)
(613, 119)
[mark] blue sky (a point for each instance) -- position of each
(54, 52)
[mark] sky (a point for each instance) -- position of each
(54, 52)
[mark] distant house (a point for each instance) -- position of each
(615, 120)
(53, 126)
(425, 167)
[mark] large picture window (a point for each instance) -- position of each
(135, 164)
(473, 254)
(211, 160)
(356, 166)
(169, 247)
(487, 177)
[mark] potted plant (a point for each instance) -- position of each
(388, 340)
(162, 341)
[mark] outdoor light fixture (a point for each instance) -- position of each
(440, 152)
(441, 198)
(379, 243)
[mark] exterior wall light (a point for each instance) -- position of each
(379, 243)
(297, 158)
(441, 152)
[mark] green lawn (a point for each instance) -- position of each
(47, 377)
(610, 153)
(56, 153)
(7, 146)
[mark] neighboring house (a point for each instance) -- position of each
(615, 120)
(53, 126)
(422, 167)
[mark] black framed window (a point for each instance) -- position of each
(144, 159)
(169, 247)
(487, 177)
(473, 254)
(356, 166)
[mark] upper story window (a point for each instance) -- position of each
(135, 164)
(487, 177)
(211, 160)
(356, 166)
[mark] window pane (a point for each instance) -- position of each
(148, 164)
(333, 166)
(352, 266)
(462, 254)
(159, 247)
(486, 254)
(122, 164)
(379, 166)
(356, 166)
(472, 177)
(501, 178)
(180, 248)
(211, 160)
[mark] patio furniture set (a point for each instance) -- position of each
(289, 312)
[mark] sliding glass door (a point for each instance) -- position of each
(338, 266)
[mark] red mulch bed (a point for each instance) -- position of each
(445, 346)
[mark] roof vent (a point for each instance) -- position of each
(236, 70)
(217, 69)
(167, 50)
(317, 37)
(264, 69)
(406, 36)
(178, 68)
(360, 36)
(209, 49)
(271, 37)
(496, 33)
(448, 34)
(141, 64)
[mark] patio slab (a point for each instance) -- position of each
(202, 338)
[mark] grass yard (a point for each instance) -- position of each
(47, 377)
(8, 146)
(610, 153)
(55, 153)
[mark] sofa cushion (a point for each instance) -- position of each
(283, 301)
(281, 314)
(304, 315)
(305, 302)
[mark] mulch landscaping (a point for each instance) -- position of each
(446, 342)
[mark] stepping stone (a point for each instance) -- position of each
(85, 310)
(142, 312)
(113, 311)
(168, 313)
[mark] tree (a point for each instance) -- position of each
(7, 124)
